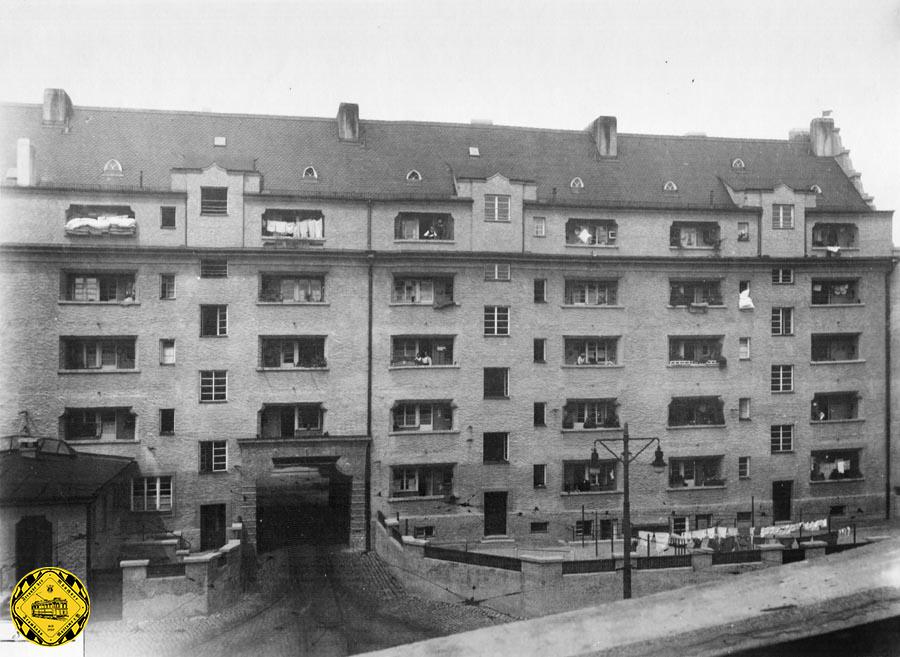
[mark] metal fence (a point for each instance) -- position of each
(652, 563)
(592, 566)
(474, 558)
(741, 556)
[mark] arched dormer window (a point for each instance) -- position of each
(413, 176)
(309, 173)
(112, 168)
(738, 164)
(815, 189)
(577, 183)
(670, 186)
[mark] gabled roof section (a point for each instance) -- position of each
(149, 144)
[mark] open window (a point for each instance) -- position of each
(98, 287)
(291, 420)
(590, 414)
(421, 480)
(427, 415)
(694, 235)
(696, 411)
(696, 350)
(591, 350)
(697, 294)
(97, 354)
(835, 406)
(292, 288)
(835, 465)
(591, 232)
(833, 292)
(579, 477)
(100, 220)
(423, 290)
(844, 236)
(696, 472)
(291, 352)
(423, 226)
(303, 225)
(833, 347)
(421, 350)
(103, 424)
(591, 292)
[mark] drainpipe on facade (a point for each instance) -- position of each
(370, 257)
(887, 390)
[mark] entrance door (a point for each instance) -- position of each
(781, 500)
(212, 526)
(495, 513)
(34, 544)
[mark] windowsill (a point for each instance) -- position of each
(495, 462)
(692, 248)
(782, 451)
(67, 302)
(836, 481)
(744, 419)
(837, 305)
(849, 420)
(292, 303)
(414, 432)
(76, 441)
(426, 241)
(842, 248)
(213, 214)
(314, 241)
(594, 366)
(423, 367)
(167, 364)
(214, 472)
(292, 369)
(497, 221)
(593, 430)
(498, 397)
(167, 227)
(696, 426)
(782, 392)
(540, 487)
(577, 493)
(591, 306)
(167, 433)
(835, 362)
(722, 306)
(782, 335)
(676, 365)
(671, 489)
(496, 336)
(213, 336)
(591, 246)
(99, 371)
(416, 498)
(429, 304)
(213, 401)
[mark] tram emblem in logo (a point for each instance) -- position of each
(50, 606)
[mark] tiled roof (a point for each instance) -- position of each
(149, 144)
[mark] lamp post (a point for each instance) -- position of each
(626, 458)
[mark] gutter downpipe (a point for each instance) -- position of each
(887, 389)
(370, 257)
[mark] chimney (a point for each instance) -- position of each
(822, 137)
(57, 107)
(348, 122)
(603, 129)
(24, 163)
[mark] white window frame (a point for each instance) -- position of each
(744, 408)
(543, 283)
(160, 419)
(588, 293)
(540, 226)
(420, 416)
(782, 378)
(543, 343)
(495, 434)
(217, 457)
(779, 277)
(496, 320)
(499, 271)
(418, 291)
(163, 344)
(167, 287)
(505, 371)
(782, 320)
(160, 502)
(784, 438)
(539, 482)
(213, 386)
(100, 354)
(743, 228)
(782, 216)
(743, 467)
(744, 348)
(495, 206)
(221, 320)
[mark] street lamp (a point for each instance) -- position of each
(626, 458)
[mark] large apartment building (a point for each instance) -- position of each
(300, 323)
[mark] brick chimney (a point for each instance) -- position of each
(25, 172)
(57, 107)
(822, 139)
(603, 129)
(348, 122)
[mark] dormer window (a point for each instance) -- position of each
(670, 186)
(112, 169)
(815, 189)
(738, 164)
(309, 173)
(474, 151)
(413, 176)
(577, 183)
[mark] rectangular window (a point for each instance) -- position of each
(423, 226)
(835, 465)
(695, 350)
(106, 424)
(167, 286)
(782, 438)
(167, 217)
(421, 480)
(782, 321)
(213, 200)
(743, 231)
(744, 286)
(540, 475)
(695, 293)
(744, 408)
(540, 290)
(540, 412)
(496, 207)
(590, 414)
(690, 411)
(421, 350)
(213, 456)
(540, 350)
(591, 232)
(97, 353)
(580, 477)
(835, 292)
(151, 494)
(99, 287)
(423, 416)
(591, 293)
(584, 528)
(540, 227)
(424, 532)
(213, 268)
(278, 288)
(834, 236)
(166, 421)
(293, 351)
(167, 352)
(679, 524)
(423, 291)
(835, 406)
(496, 320)
(213, 321)
(834, 347)
(496, 272)
(782, 217)
(782, 379)
(591, 351)
(305, 225)
(496, 382)
(744, 467)
(694, 235)
(744, 348)
(291, 420)
(542, 527)
(213, 385)
(695, 472)
(496, 447)
(837, 510)
(782, 276)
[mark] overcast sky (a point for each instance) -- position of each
(731, 69)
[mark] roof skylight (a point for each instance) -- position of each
(310, 173)
(112, 168)
(670, 186)
(737, 163)
(413, 176)
(577, 183)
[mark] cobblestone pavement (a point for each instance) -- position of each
(307, 601)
